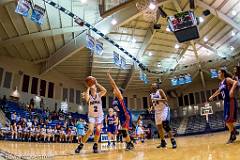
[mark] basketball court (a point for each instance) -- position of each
(64, 63)
(202, 147)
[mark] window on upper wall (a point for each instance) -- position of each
(104, 102)
(71, 95)
(208, 93)
(25, 84)
(50, 90)
(7, 80)
(78, 97)
(145, 102)
(186, 101)
(203, 97)
(43, 85)
(191, 97)
(1, 75)
(34, 89)
(197, 97)
(180, 101)
(65, 94)
(110, 100)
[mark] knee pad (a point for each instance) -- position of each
(124, 133)
(166, 126)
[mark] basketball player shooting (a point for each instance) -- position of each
(162, 114)
(125, 116)
(95, 112)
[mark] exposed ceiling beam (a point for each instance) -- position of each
(4, 2)
(130, 76)
(208, 47)
(219, 14)
(199, 64)
(39, 35)
(123, 16)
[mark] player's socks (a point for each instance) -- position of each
(113, 143)
(95, 148)
(163, 144)
(174, 144)
(232, 137)
(109, 144)
(79, 148)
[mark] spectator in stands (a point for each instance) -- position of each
(56, 134)
(13, 117)
(14, 130)
(29, 123)
(42, 105)
(20, 131)
(38, 133)
(1, 132)
(62, 135)
(73, 133)
(18, 118)
(43, 133)
(35, 121)
(50, 134)
(32, 133)
(25, 130)
(31, 104)
(69, 136)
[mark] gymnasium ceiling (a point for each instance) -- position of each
(59, 43)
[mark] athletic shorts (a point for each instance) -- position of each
(162, 115)
(139, 130)
(111, 129)
(126, 120)
(80, 132)
(230, 110)
(96, 120)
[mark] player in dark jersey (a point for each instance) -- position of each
(125, 116)
(227, 89)
(111, 121)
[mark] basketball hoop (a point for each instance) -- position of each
(206, 110)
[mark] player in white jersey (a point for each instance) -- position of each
(162, 114)
(95, 114)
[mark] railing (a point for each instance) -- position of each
(106, 7)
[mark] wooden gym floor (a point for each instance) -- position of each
(202, 147)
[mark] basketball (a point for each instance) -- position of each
(90, 80)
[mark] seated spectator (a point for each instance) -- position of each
(29, 123)
(43, 133)
(62, 135)
(25, 130)
(32, 133)
(50, 134)
(56, 134)
(31, 104)
(14, 130)
(13, 117)
(35, 121)
(19, 131)
(1, 132)
(38, 133)
(69, 136)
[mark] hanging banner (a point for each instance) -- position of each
(123, 62)
(38, 14)
(116, 58)
(145, 79)
(141, 75)
(23, 7)
(90, 42)
(99, 48)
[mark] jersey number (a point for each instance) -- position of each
(95, 109)
(223, 94)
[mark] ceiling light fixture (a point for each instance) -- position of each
(233, 33)
(152, 6)
(150, 54)
(201, 19)
(232, 48)
(234, 13)
(177, 46)
(205, 39)
(114, 21)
